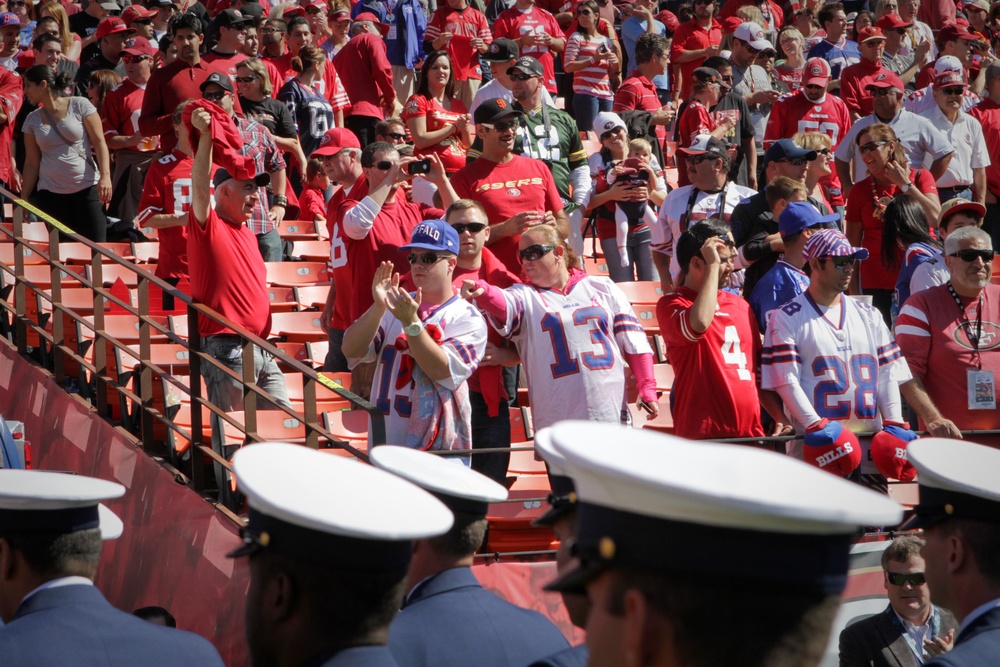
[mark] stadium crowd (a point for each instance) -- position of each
(757, 162)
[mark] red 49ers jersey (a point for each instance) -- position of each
(795, 113)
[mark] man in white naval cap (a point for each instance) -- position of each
(561, 516)
(329, 542)
(959, 510)
(51, 527)
(448, 619)
(697, 553)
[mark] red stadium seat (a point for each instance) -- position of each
(645, 291)
(298, 327)
(311, 251)
(291, 274)
(311, 297)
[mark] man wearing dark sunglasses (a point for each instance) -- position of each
(750, 80)
(950, 336)
(429, 341)
(906, 65)
(112, 36)
(231, 26)
(823, 334)
(909, 626)
(965, 176)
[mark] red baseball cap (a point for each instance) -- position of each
(320, 4)
(949, 78)
(335, 140)
(886, 79)
(137, 12)
(111, 26)
(892, 22)
(816, 73)
(954, 31)
(669, 20)
(368, 16)
(870, 33)
(139, 47)
(340, 15)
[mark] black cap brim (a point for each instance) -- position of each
(576, 579)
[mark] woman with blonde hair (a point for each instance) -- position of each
(254, 86)
(820, 170)
(792, 61)
(72, 47)
(889, 174)
(574, 332)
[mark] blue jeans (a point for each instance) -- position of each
(586, 108)
(639, 254)
(226, 392)
(269, 245)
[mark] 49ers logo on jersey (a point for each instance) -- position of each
(512, 186)
(989, 335)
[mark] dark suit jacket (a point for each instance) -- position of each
(361, 656)
(978, 645)
(877, 642)
(75, 625)
(451, 620)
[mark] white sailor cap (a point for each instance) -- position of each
(41, 501)
(661, 504)
(957, 479)
(326, 509)
(562, 497)
(460, 488)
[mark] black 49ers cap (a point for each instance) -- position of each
(491, 111)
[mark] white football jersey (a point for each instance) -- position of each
(837, 364)
(463, 338)
(571, 348)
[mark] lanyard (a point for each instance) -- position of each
(973, 338)
(685, 220)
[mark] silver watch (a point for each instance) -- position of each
(413, 329)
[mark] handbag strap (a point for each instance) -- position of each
(55, 128)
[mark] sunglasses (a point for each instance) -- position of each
(128, 60)
(882, 92)
(396, 136)
(871, 146)
(471, 227)
(521, 77)
(953, 91)
(535, 252)
(728, 241)
(245, 79)
(841, 263)
(795, 162)
(16, 4)
(969, 255)
(384, 165)
(898, 578)
(425, 258)
(900, 31)
(268, 31)
(214, 97)
(607, 135)
(584, 12)
(502, 126)
(825, 152)
(697, 159)
(746, 45)
(142, 22)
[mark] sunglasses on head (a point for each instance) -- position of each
(425, 258)
(871, 146)
(502, 126)
(214, 97)
(898, 578)
(970, 255)
(471, 227)
(953, 91)
(535, 252)
(521, 77)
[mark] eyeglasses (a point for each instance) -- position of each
(871, 146)
(425, 258)
(953, 91)
(214, 97)
(471, 227)
(384, 165)
(535, 252)
(697, 159)
(728, 241)
(134, 59)
(584, 12)
(521, 77)
(746, 45)
(970, 255)
(502, 126)
(245, 79)
(396, 136)
(898, 578)
(795, 162)
(727, 77)
(607, 135)
(268, 31)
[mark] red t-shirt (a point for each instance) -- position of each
(464, 25)
(789, 76)
(854, 82)
(514, 24)
(311, 203)
(691, 36)
(861, 207)
(122, 106)
(228, 275)
(694, 121)
(167, 191)
(366, 75)
(224, 63)
(338, 251)
(392, 229)
(11, 97)
(453, 154)
(987, 113)
(723, 357)
(504, 190)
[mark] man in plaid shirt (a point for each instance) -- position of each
(259, 145)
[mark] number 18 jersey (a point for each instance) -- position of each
(572, 345)
(838, 364)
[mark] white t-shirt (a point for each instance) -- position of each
(922, 142)
(495, 90)
(64, 169)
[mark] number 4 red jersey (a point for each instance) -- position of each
(715, 385)
(796, 113)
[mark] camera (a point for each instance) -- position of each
(419, 167)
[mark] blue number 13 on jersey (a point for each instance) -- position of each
(582, 317)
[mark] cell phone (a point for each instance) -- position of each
(419, 167)
(644, 406)
(603, 48)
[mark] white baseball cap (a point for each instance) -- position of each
(753, 34)
(606, 121)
